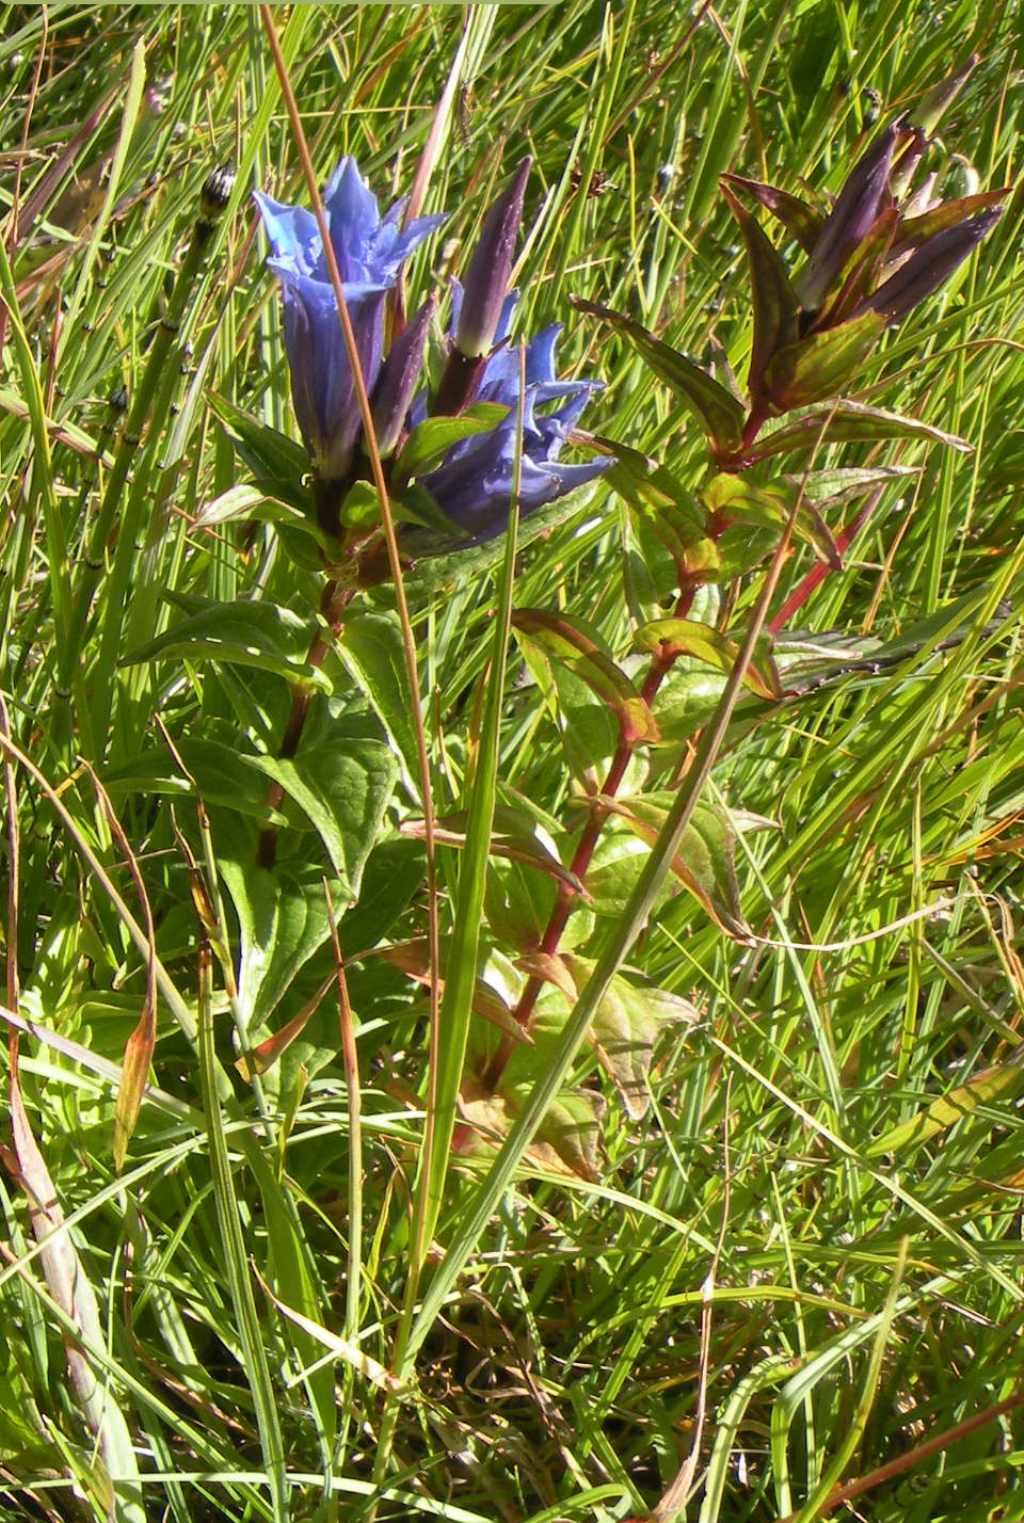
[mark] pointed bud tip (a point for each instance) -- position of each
(486, 282)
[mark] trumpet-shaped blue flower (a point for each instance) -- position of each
(370, 251)
(473, 486)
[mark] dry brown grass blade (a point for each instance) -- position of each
(138, 1052)
(71, 1288)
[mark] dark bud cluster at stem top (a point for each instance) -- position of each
(882, 249)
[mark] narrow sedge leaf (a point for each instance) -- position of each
(819, 365)
(1003, 1082)
(717, 410)
(688, 637)
(64, 432)
(69, 1284)
(799, 219)
(852, 423)
(566, 640)
(775, 305)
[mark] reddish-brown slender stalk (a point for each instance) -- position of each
(817, 574)
(660, 666)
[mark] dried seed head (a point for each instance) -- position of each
(216, 191)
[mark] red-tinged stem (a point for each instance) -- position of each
(818, 573)
(661, 663)
(756, 418)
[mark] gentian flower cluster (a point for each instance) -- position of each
(881, 250)
(472, 484)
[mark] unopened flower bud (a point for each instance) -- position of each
(486, 282)
(929, 267)
(399, 379)
(864, 195)
(936, 102)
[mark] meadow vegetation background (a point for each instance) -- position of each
(791, 1262)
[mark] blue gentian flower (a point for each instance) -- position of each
(370, 251)
(473, 486)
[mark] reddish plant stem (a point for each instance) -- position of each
(817, 574)
(333, 603)
(661, 664)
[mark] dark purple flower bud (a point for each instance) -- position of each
(486, 283)
(855, 213)
(399, 380)
(929, 267)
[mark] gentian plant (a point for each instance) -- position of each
(447, 427)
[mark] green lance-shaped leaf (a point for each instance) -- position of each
(745, 503)
(576, 647)
(244, 503)
(278, 464)
(845, 481)
(717, 410)
(775, 303)
(282, 918)
(1002, 1082)
(343, 788)
(851, 423)
(799, 219)
(243, 633)
(688, 637)
(431, 440)
(705, 861)
(820, 365)
(671, 512)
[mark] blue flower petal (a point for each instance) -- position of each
(354, 219)
(292, 233)
(323, 388)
